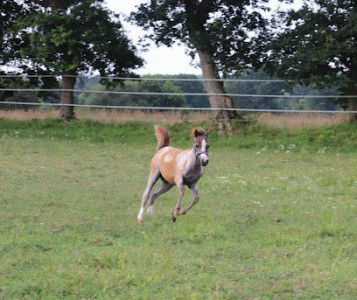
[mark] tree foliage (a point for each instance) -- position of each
(9, 11)
(219, 27)
(316, 45)
(66, 38)
(70, 36)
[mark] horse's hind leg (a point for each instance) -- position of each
(194, 190)
(153, 177)
(165, 186)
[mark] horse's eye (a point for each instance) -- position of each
(207, 147)
(197, 146)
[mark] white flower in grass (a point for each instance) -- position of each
(257, 202)
(322, 150)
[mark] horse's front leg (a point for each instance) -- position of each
(175, 213)
(196, 198)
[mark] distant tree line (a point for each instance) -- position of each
(282, 88)
(239, 87)
(148, 86)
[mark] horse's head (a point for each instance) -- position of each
(200, 145)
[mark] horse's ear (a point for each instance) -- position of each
(197, 132)
(207, 133)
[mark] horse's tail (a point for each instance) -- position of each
(162, 136)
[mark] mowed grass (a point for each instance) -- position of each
(277, 222)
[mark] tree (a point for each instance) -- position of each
(67, 37)
(317, 46)
(217, 30)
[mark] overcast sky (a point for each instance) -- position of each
(159, 60)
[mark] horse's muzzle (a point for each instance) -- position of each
(205, 163)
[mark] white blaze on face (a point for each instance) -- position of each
(203, 156)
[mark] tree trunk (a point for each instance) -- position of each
(67, 98)
(215, 87)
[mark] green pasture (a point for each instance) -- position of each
(277, 217)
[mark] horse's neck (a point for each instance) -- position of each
(192, 162)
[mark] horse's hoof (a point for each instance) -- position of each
(174, 215)
(140, 221)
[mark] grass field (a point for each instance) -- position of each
(277, 217)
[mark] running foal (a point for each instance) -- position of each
(175, 167)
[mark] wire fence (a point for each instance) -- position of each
(165, 108)
(176, 94)
(128, 107)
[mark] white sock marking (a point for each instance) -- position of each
(141, 213)
(150, 210)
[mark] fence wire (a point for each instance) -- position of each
(170, 94)
(181, 108)
(177, 94)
